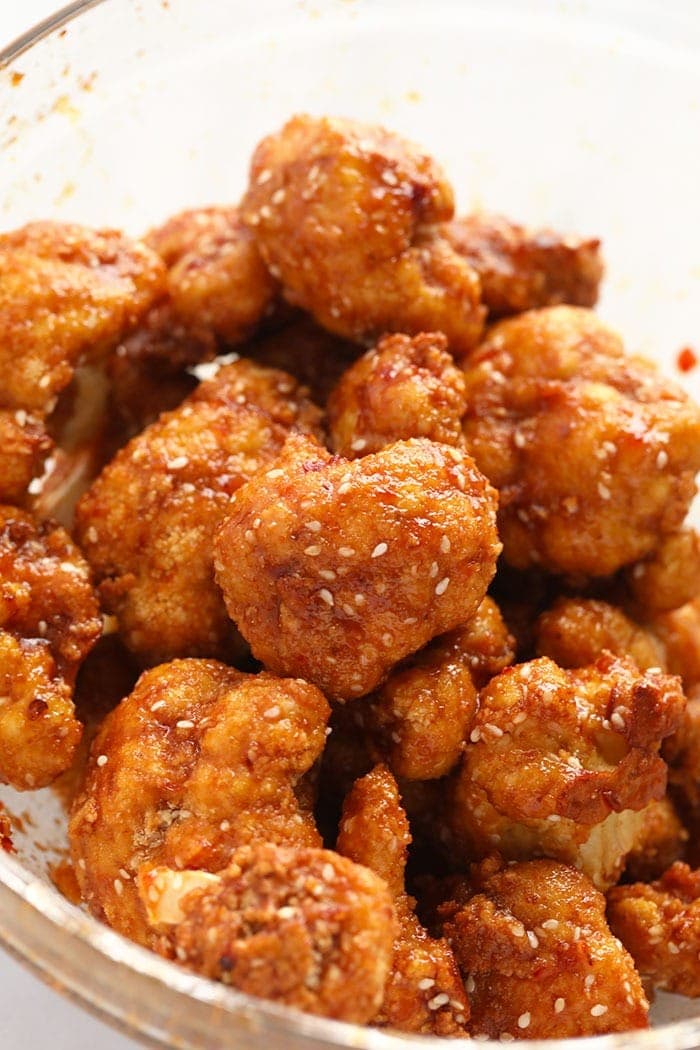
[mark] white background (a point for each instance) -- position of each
(31, 1016)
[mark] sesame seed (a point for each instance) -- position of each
(577, 933)
(278, 196)
(328, 872)
(662, 459)
(532, 938)
(326, 596)
(44, 381)
(445, 544)
(471, 984)
(276, 473)
(359, 599)
(589, 981)
(519, 439)
(118, 887)
(91, 534)
(158, 704)
(425, 983)
(380, 549)
(358, 444)
(438, 1000)
(348, 610)
(598, 1010)
(313, 552)
(550, 924)
(178, 463)
(617, 720)
(313, 526)
(346, 552)
(42, 627)
(224, 825)
(524, 1020)
(272, 712)
(102, 760)
(264, 176)
(559, 1005)
(387, 638)
(20, 417)
(475, 735)
(184, 723)
(673, 948)
(603, 491)
(442, 585)
(124, 874)
(434, 569)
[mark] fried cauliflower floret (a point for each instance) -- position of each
(424, 992)
(303, 927)
(147, 523)
(49, 621)
(574, 632)
(538, 957)
(24, 445)
(522, 268)
(216, 278)
(316, 358)
(659, 925)
(342, 213)
(404, 388)
(424, 712)
(682, 753)
(594, 454)
(560, 763)
(198, 760)
(663, 840)
(669, 577)
(68, 294)
(370, 559)
(679, 633)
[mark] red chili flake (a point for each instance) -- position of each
(686, 359)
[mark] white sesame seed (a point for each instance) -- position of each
(442, 586)
(346, 552)
(224, 825)
(328, 872)
(438, 1000)
(91, 534)
(589, 981)
(434, 569)
(603, 491)
(359, 599)
(118, 887)
(264, 176)
(327, 574)
(524, 1021)
(358, 444)
(425, 983)
(158, 704)
(673, 948)
(532, 938)
(471, 984)
(559, 1005)
(617, 720)
(380, 549)
(662, 459)
(519, 439)
(598, 1010)
(313, 526)
(550, 924)
(445, 544)
(276, 473)
(184, 723)
(475, 735)
(313, 552)
(44, 381)
(326, 596)
(178, 463)
(272, 712)
(21, 417)
(278, 196)
(102, 760)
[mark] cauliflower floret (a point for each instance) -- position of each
(24, 445)
(370, 559)
(303, 927)
(679, 633)
(538, 957)
(574, 632)
(669, 577)
(593, 452)
(147, 523)
(659, 925)
(560, 763)
(342, 213)
(49, 621)
(424, 992)
(404, 388)
(521, 268)
(198, 760)
(662, 841)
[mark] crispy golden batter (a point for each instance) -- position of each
(48, 623)
(679, 632)
(424, 712)
(315, 357)
(334, 571)
(594, 454)
(522, 268)
(560, 763)
(343, 213)
(682, 753)
(538, 957)
(198, 760)
(575, 631)
(24, 445)
(669, 577)
(147, 523)
(662, 841)
(303, 927)
(424, 992)
(68, 293)
(404, 388)
(659, 925)
(216, 278)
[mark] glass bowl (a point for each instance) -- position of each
(583, 115)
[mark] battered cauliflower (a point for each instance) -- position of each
(303, 927)
(522, 268)
(669, 577)
(682, 753)
(659, 925)
(679, 633)
(198, 760)
(343, 215)
(216, 278)
(147, 523)
(574, 632)
(662, 841)
(421, 716)
(24, 445)
(49, 621)
(424, 992)
(538, 957)
(594, 454)
(561, 763)
(334, 571)
(406, 387)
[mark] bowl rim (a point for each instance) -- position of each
(22, 893)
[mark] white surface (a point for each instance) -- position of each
(31, 1015)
